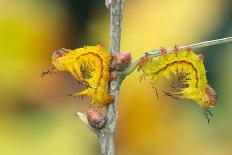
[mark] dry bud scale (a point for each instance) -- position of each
(186, 75)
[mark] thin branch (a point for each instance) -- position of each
(155, 53)
(197, 45)
(107, 136)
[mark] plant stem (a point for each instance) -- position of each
(155, 53)
(106, 135)
(107, 138)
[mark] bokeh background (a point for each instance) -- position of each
(36, 116)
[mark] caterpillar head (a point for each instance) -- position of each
(57, 58)
(211, 97)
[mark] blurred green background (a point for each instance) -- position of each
(36, 116)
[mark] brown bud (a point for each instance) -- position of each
(95, 118)
(122, 61)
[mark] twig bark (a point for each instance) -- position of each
(107, 138)
(106, 135)
(155, 53)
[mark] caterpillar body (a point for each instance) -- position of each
(89, 65)
(186, 75)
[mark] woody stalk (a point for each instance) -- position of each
(106, 135)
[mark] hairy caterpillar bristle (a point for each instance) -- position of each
(48, 72)
(141, 77)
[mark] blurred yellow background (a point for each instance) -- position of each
(36, 116)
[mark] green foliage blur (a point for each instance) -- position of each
(36, 116)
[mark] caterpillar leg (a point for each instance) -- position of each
(207, 114)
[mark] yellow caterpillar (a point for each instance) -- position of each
(186, 75)
(89, 65)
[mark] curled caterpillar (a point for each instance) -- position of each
(89, 65)
(186, 75)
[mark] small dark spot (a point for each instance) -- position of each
(86, 71)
